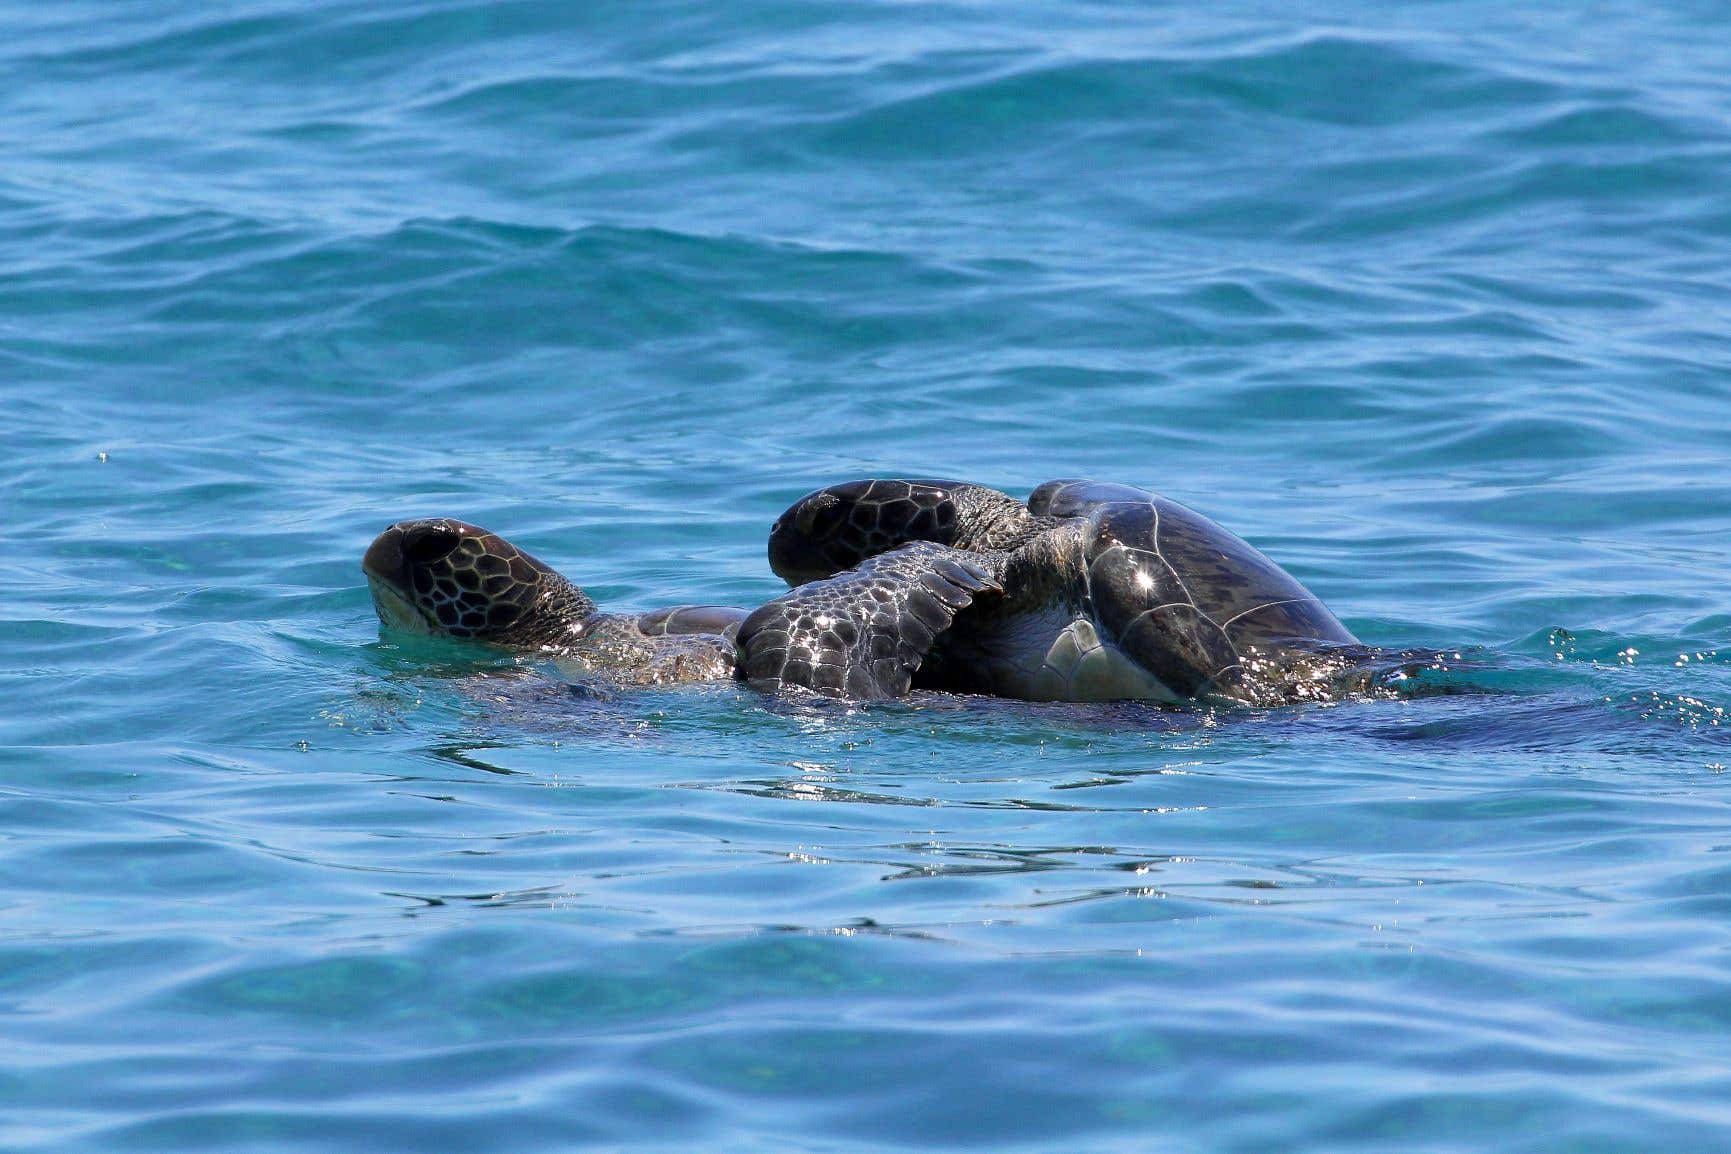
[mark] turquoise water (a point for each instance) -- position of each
(1432, 304)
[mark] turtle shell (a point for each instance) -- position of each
(1183, 596)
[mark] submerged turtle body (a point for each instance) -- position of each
(1109, 592)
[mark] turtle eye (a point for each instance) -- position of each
(428, 543)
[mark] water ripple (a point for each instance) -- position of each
(1428, 302)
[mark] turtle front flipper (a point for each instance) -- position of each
(863, 633)
(831, 530)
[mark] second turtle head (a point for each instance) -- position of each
(453, 579)
(832, 529)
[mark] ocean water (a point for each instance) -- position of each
(1430, 302)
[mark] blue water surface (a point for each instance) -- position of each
(1430, 302)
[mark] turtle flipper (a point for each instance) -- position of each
(863, 633)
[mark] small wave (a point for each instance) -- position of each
(1183, 102)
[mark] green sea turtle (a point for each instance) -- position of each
(1085, 592)
(861, 638)
(1108, 592)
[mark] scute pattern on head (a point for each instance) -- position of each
(834, 529)
(475, 585)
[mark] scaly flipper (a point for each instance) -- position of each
(862, 633)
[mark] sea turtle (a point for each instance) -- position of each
(1085, 592)
(863, 638)
(1108, 592)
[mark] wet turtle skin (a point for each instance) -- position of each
(1109, 591)
(1087, 591)
(447, 577)
(861, 634)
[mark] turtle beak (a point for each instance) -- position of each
(794, 555)
(384, 560)
(388, 580)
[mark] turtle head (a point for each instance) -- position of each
(834, 529)
(814, 539)
(452, 579)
